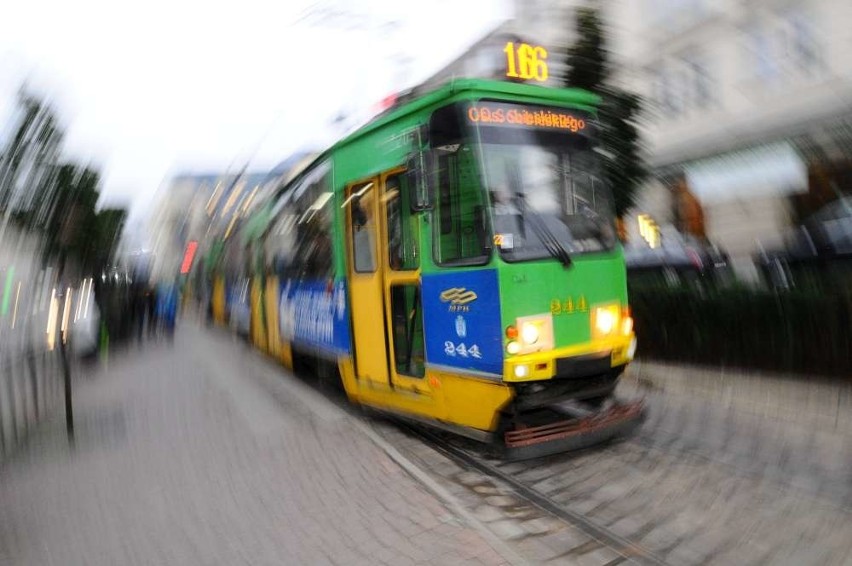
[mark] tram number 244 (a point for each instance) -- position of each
(451, 349)
(526, 61)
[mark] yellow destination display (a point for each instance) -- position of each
(529, 117)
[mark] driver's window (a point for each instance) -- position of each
(459, 227)
(461, 236)
(580, 184)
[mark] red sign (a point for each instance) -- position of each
(188, 256)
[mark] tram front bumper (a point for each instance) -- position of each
(573, 433)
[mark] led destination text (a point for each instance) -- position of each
(485, 114)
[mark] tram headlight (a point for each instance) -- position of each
(530, 333)
(606, 320)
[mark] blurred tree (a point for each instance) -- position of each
(71, 216)
(587, 59)
(75, 230)
(58, 199)
(27, 162)
(588, 68)
(108, 227)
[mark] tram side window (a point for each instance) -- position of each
(407, 320)
(462, 238)
(313, 226)
(234, 268)
(280, 245)
(402, 242)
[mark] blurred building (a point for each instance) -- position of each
(207, 208)
(549, 23)
(541, 22)
(196, 208)
(750, 114)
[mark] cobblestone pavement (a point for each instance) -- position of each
(533, 533)
(204, 453)
(727, 469)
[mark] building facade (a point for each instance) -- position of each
(197, 207)
(749, 122)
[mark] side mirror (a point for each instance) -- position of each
(418, 167)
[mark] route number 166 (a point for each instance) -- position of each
(526, 62)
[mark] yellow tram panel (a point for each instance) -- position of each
(218, 301)
(270, 300)
(462, 400)
(258, 331)
(470, 401)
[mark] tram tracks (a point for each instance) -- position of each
(630, 550)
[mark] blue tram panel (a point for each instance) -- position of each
(312, 314)
(462, 320)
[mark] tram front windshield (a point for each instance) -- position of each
(540, 172)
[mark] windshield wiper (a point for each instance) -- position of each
(551, 243)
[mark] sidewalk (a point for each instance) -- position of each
(205, 453)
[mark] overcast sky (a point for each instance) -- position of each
(150, 88)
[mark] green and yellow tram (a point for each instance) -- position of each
(456, 261)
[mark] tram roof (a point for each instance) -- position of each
(414, 101)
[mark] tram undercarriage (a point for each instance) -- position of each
(565, 414)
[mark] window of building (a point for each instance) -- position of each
(661, 87)
(676, 16)
(698, 81)
(799, 39)
(684, 84)
(764, 58)
(783, 46)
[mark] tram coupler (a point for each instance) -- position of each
(582, 429)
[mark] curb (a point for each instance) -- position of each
(439, 491)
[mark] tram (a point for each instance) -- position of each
(455, 262)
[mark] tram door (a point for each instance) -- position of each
(403, 310)
(384, 278)
(365, 281)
